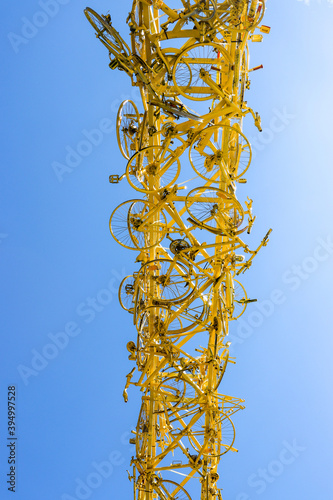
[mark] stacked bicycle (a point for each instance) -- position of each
(187, 228)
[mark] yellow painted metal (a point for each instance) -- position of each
(189, 243)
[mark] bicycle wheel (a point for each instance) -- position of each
(172, 390)
(222, 368)
(232, 300)
(210, 57)
(173, 282)
(213, 444)
(152, 318)
(217, 146)
(214, 209)
(178, 392)
(146, 232)
(169, 490)
(141, 352)
(144, 339)
(239, 300)
(128, 125)
(104, 30)
(142, 430)
(140, 298)
(152, 168)
(161, 66)
(131, 228)
(183, 320)
(126, 293)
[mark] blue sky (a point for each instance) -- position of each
(61, 269)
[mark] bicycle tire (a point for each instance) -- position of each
(178, 392)
(124, 227)
(128, 125)
(210, 57)
(105, 31)
(145, 233)
(223, 366)
(214, 209)
(142, 430)
(161, 66)
(198, 434)
(239, 295)
(170, 279)
(152, 168)
(141, 354)
(140, 300)
(188, 319)
(126, 293)
(155, 317)
(171, 490)
(216, 144)
(171, 390)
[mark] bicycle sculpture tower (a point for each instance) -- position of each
(187, 228)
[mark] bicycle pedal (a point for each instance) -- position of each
(114, 179)
(114, 64)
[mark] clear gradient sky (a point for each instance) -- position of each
(60, 268)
